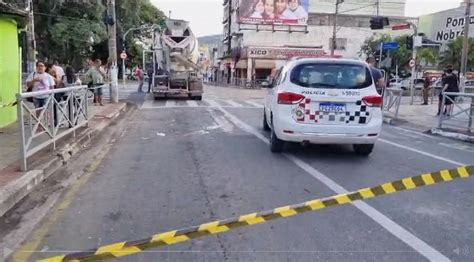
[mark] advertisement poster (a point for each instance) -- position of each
(277, 12)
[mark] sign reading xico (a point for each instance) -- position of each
(283, 53)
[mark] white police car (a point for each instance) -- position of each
(323, 101)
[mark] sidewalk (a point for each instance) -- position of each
(424, 119)
(14, 184)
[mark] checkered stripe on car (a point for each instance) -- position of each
(360, 116)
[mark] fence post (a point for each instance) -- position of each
(21, 125)
(471, 115)
(440, 123)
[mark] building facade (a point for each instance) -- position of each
(254, 50)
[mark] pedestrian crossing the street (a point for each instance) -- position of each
(150, 103)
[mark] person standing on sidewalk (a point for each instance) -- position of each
(450, 84)
(149, 72)
(40, 81)
(59, 70)
(426, 89)
(97, 74)
(139, 74)
(70, 79)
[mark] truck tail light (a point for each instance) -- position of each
(373, 101)
(287, 98)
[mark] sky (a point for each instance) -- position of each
(206, 15)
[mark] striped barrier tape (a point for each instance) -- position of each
(126, 248)
(13, 103)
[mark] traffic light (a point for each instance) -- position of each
(378, 22)
(409, 42)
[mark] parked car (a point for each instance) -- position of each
(323, 101)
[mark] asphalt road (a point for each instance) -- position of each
(180, 164)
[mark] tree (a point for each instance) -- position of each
(372, 44)
(452, 54)
(427, 55)
(70, 31)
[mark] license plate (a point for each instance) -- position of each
(332, 107)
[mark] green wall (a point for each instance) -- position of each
(9, 69)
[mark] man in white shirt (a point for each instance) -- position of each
(59, 70)
(40, 81)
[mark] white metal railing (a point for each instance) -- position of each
(461, 114)
(392, 98)
(63, 111)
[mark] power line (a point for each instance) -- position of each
(358, 8)
(61, 16)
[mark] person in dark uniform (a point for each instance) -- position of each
(450, 84)
(376, 74)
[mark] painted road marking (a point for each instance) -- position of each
(255, 104)
(422, 152)
(170, 103)
(404, 235)
(232, 103)
(148, 103)
(192, 103)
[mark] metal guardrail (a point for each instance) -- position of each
(462, 113)
(392, 98)
(64, 111)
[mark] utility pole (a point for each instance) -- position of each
(413, 69)
(465, 44)
(112, 29)
(334, 29)
(377, 4)
(30, 35)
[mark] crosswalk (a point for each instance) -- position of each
(150, 103)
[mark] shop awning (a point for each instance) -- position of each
(242, 64)
(264, 64)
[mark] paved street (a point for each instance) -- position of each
(181, 163)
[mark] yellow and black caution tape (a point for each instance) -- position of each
(126, 248)
(13, 103)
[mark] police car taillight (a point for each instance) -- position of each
(288, 98)
(374, 101)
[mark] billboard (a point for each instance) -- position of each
(276, 12)
(445, 26)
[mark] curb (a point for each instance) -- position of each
(18, 189)
(453, 135)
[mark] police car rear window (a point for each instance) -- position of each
(330, 75)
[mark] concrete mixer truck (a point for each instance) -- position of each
(176, 55)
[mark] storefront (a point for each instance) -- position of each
(258, 63)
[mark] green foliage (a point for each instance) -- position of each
(452, 54)
(401, 55)
(65, 29)
(428, 55)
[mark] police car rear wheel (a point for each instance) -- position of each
(266, 127)
(363, 149)
(276, 145)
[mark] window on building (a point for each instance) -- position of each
(341, 43)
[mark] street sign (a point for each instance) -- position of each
(123, 55)
(390, 45)
(401, 27)
(417, 41)
(412, 63)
